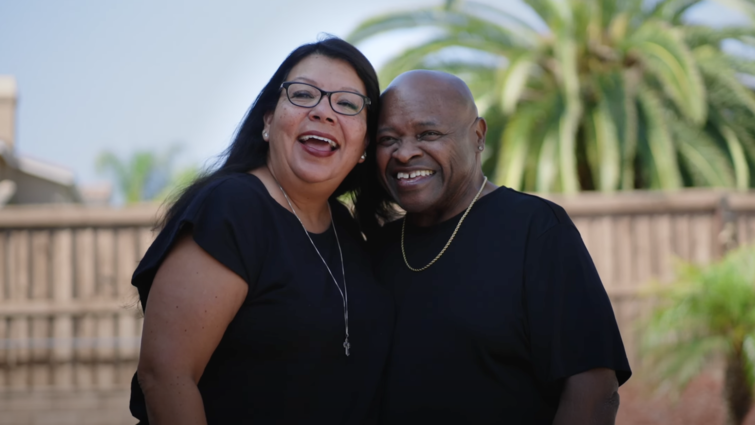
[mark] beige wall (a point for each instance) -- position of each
(8, 100)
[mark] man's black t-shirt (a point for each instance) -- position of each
(488, 333)
(281, 359)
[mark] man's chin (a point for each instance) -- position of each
(413, 206)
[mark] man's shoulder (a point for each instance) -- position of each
(528, 209)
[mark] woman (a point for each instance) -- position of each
(260, 306)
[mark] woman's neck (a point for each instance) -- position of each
(310, 202)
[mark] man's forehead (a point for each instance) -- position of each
(417, 113)
(394, 122)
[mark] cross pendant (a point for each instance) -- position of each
(346, 345)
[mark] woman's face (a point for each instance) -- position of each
(299, 137)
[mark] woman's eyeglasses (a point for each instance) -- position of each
(309, 96)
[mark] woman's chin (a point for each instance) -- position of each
(320, 174)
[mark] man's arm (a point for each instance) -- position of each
(589, 398)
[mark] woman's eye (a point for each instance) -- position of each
(347, 104)
(386, 140)
(302, 95)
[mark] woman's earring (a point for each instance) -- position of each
(264, 136)
(480, 148)
(363, 157)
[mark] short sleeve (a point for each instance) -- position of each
(572, 326)
(222, 220)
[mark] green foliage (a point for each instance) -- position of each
(709, 311)
(146, 175)
(616, 94)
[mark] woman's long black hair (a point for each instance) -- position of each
(249, 151)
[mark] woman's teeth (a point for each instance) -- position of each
(333, 145)
(414, 174)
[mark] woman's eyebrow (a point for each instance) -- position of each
(314, 83)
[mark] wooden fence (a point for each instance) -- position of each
(635, 238)
(69, 319)
(68, 313)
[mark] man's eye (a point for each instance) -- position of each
(386, 140)
(429, 135)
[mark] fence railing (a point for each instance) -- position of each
(69, 316)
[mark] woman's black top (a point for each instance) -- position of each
(282, 360)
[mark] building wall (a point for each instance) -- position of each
(31, 189)
(8, 100)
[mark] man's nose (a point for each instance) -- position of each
(323, 112)
(406, 151)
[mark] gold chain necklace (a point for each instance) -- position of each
(403, 226)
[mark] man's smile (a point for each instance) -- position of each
(407, 178)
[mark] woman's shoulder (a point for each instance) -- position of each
(223, 214)
(235, 189)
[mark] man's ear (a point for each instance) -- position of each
(481, 129)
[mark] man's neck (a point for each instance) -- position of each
(455, 206)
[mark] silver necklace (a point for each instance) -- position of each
(344, 293)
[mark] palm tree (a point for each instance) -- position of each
(614, 94)
(146, 175)
(708, 311)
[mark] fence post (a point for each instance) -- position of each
(726, 232)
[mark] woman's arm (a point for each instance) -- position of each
(589, 398)
(192, 300)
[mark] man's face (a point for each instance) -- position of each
(426, 149)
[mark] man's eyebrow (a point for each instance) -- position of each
(314, 83)
(418, 124)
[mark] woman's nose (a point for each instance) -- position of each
(323, 112)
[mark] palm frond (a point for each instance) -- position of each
(671, 62)
(514, 81)
(742, 170)
(460, 24)
(603, 140)
(706, 162)
(516, 142)
(660, 143)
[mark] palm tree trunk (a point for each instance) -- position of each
(738, 392)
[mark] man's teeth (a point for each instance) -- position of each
(332, 144)
(414, 174)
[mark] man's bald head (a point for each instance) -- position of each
(433, 86)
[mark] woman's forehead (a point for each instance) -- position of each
(320, 70)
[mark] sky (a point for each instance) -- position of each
(124, 76)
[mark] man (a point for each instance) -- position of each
(501, 315)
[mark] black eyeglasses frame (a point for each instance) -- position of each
(285, 85)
